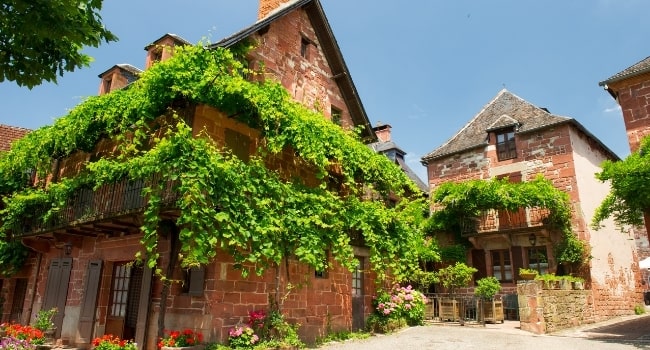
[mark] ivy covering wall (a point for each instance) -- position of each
(241, 207)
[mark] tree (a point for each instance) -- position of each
(42, 38)
(629, 197)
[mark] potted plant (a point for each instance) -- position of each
(453, 277)
(549, 280)
(578, 283)
(44, 321)
(527, 274)
(486, 289)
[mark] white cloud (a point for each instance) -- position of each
(612, 109)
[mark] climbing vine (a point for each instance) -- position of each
(629, 196)
(242, 207)
(455, 201)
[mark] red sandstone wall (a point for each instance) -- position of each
(633, 95)
(308, 80)
(9, 134)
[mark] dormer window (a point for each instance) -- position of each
(304, 47)
(336, 115)
(108, 82)
(506, 148)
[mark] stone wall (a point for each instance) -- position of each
(550, 310)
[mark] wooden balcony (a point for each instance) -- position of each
(492, 221)
(113, 208)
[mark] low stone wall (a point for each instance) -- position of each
(549, 310)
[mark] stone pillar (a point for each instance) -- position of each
(531, 306)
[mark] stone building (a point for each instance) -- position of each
(631, 89)
(511, 138)
(82, 266)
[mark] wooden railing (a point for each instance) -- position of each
(500, 220)
(87, 205)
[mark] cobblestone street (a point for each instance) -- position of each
(629, 332)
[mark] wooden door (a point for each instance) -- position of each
(18, 300)
(89, 302)
(358, 321)
(122, 318)
(56, 290)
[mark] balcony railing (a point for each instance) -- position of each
(86, 205)
(501, 220)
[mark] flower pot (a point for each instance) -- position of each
(195, 347)
(527, 276)
(578, 285)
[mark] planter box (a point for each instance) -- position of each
(195, 347)
(527, 276)
(492, 311)
(448, 309)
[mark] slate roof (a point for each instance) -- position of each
(638, 68)
(506, 109)
(133, 70)
(389, 147)
(327, 42)
(9, 134)
(177, 38)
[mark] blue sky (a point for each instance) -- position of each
(425, 67)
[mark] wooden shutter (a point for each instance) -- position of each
(517, 261)
(56, 289)
(89, 303)
(478, 262)
(143, 308)
(197, 277)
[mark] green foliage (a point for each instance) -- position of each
(464, 200)
(12, 257)
(244, 208)
(523, 271)
(45, 319)
(336, 337)
(453, 253)
(629, 182)
(39, 40)
(639, 309)
(455, 276)
(487, 287)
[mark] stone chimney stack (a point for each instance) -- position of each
(382, 132)
(267, 6)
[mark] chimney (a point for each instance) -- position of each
(267, 6)
(382, 132)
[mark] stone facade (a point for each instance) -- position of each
(562, 151)
(8, 134)
(291, 51)
(550, 310)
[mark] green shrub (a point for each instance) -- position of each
(487, 287)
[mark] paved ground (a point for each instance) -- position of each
(630, 332)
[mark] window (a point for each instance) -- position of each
(238, 143)
(537, 259)
(506, 148)
(304, 47)
(336, 115)
(501, 265)
(193, 279)
(120, 290)
(107, 85)
(323, 273)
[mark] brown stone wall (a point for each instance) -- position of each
(9, 134)
(633, 95)
(549, 310)
(308, 79)
(316, 304)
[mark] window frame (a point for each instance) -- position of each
(507, 146)
(503, 254)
